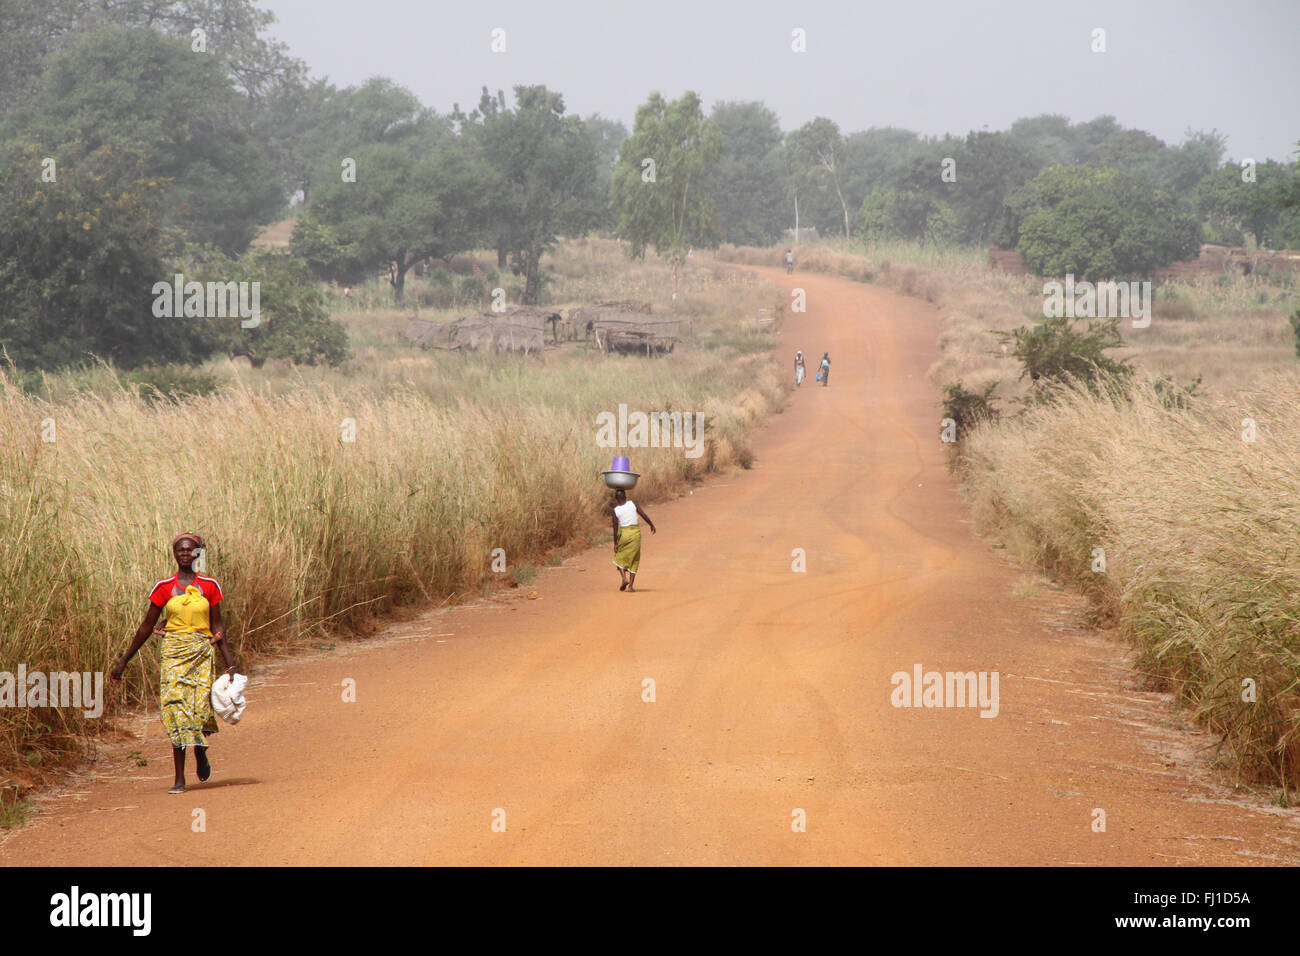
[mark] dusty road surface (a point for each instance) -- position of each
(771, 694)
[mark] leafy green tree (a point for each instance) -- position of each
(1087, 139)
(606, 137)
(407, 203)
(669, 210)
(989, 167)
(78, 261)
(293, 322)
(1233, 207)
(543, 169)
(313, 127)
(333, 249)
(105, 90)
(890, 213)
(879, 156)
(293, 122)
(968, 409)
(1132, 151)
(1182, 168)
(494, 212)
(1099, 223)
(1283, 195)
(30, 32)
(816, 151)
(747, 187)
(234, 34)
(1051, 140)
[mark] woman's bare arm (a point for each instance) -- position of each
(219, 638)
(141, 635)
(647, 519)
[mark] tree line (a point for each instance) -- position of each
(139, 138)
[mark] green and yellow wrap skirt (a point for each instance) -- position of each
(186, 689)
(628, 555)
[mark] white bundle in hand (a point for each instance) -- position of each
(228, 697)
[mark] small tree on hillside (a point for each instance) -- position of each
(1233, 208)
(968, 409)
(659, 183)
(408, 202)
(293, 322)
(541, 170)
(1055, 351)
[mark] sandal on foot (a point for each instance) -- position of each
(179, 788)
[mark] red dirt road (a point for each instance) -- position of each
(771, 690)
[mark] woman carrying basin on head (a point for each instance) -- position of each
(627, 538)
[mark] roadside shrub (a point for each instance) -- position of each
(1055, 351)
(173, 382)
(967, 408)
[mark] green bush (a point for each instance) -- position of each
(172, 381)
(1055, 352)
(1172, 395)
(294, 323)
(1098, 223)
(447, 290)
(968, 409)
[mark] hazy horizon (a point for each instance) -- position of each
(933, 68)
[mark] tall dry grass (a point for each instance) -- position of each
(1196, 526)
(1198, 529)
(307, 531)
(454, 455)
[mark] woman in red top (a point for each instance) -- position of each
(192, 628)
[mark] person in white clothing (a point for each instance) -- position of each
(627, 538)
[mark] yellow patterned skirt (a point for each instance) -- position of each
(186, 689)
(628, 555)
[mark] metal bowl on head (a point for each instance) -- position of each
(621, 479)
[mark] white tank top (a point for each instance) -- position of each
(626, 514)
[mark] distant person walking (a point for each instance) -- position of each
(798, 369)
(192, 628)
(789, 261)
(627, 538)
(826, 368)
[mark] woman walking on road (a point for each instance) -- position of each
(798, 368)
(826, 368)
(191, 630)
(627, 539)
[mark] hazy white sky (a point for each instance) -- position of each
(933, 66)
